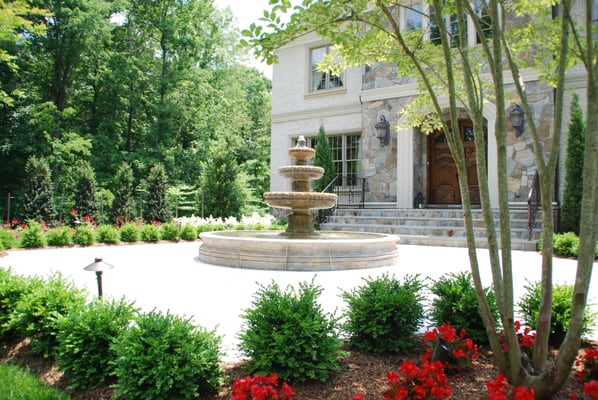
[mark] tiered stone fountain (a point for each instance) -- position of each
(299, 248)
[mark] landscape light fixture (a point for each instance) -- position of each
(99, 266)
(517, 119)
(383, 131)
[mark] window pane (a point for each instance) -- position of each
(318, 79)
(484, 20)
(413, 17)
(434, 29)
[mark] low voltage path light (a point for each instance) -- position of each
(99, 266)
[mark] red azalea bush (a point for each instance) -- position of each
(413, 382)
(526, 338)
(591, 389)
(261, 387)
(462, 349)
(587, 364)
(499, 389)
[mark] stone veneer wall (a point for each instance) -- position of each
(379, 164)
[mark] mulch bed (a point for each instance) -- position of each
(360, 372)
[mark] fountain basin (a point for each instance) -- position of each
(318, 251)
(300, 200)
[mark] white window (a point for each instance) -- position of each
(323, 80)
(414, 17)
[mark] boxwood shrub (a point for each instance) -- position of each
(107, 234)
(170, 231)
(12, 288)
(288, 333)
(129, 233)
(84, 235)
(7, 239)
(384, 314)
(456, 303)
(188, 232)
(85, 339)
(164, 356)
(37, 314)
(149, 233)
(32, 236)
(60, 236)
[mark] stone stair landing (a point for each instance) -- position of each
(430, 226)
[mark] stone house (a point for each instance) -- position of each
(406, 164)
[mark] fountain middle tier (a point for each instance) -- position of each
(300, 200)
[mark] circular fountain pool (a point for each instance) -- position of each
(318, 251)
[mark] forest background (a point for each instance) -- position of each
(128, 85)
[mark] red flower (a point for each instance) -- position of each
(591, 389)
(261, 387)
(358, 396)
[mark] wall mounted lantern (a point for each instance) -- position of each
(383, 131)
(517, 119)
(99, 266)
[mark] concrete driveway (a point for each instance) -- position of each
(170, 277)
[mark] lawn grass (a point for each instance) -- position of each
(18, 384)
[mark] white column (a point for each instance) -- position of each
(405, 168)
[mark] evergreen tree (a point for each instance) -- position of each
(220, 184)
(86, 199)
(38, 197)
(571, 208)
(124, 202)
(156, 202)
(323, 158)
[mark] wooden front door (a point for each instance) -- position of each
(443, 179)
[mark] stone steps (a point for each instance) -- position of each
(430, 226)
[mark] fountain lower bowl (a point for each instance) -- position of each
(319, 251)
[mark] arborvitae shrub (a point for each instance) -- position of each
(37, 314)
(84, 235)
(85, 338)
(188, 232)
(529, 306)
(60, 236)
(149, 233)
(169, 231)
(384, 314)
(32, 236)
(165, 357)
(12, 288)
(129, 233)
(288, 333)
(107, 234)
(456, 304)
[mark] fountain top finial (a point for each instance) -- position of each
(301, 142)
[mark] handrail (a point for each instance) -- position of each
(347, 195)
(533, 202)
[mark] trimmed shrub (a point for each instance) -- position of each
(565, 244)
(188, 232)
(149, 233)
(107, 234)
(170, 231)
(384, 314)
(12, 288)
(129, 233)
(37, 315)
(84, 236)
(287, 333)
(562, 294)
(7, 239)
(166, 357)
(32, 236)
(456, 304)
(60, 236)
(85, 338)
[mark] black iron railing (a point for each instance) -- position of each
(533, 203)
(350, 192)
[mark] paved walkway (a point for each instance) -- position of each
(170, 277)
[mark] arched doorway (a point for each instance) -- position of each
(443, 180)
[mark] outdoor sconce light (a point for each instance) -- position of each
(517, 119)
(383, 131)
(99, 266)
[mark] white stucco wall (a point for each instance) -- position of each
(296, 111)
